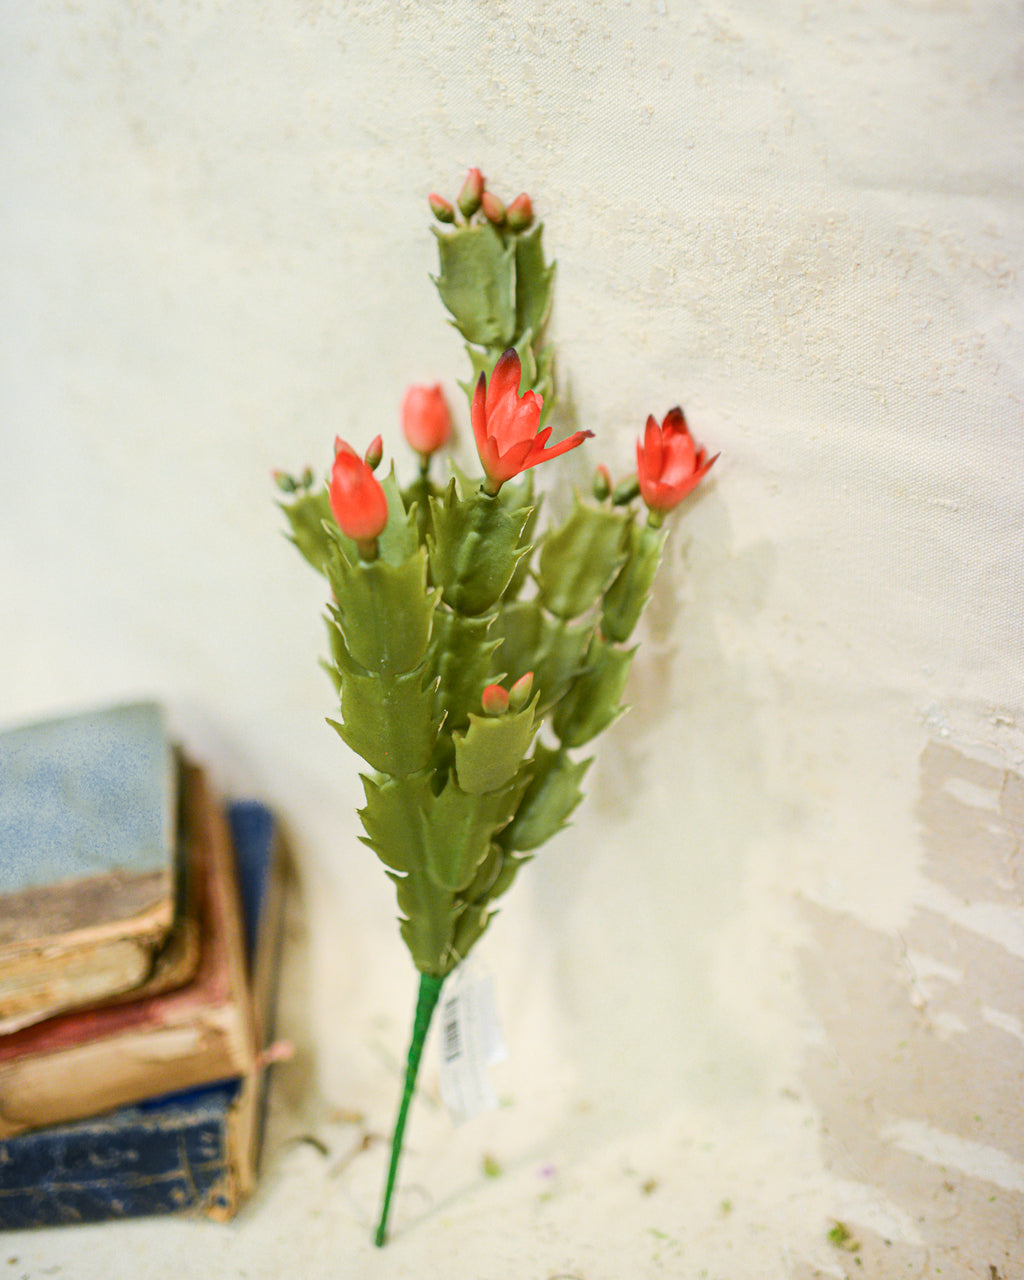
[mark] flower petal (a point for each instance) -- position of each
(505, 379)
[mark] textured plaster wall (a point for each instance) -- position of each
(775, 964)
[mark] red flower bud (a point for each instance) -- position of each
(519, 694)
(505, 425)
(441, 208)
(426, 420)
(668, 463)
(495, 700)
(357, 500)
(471, 194)
(520, 212)
(374, 453)
(494, 210)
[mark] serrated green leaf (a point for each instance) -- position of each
(594, 700)
(490, 753)
(306, 515)
(399, 538)
(460, 660)
(502, 882)
(487, 874)
(533, 640)
(459, 830)
(578, 560)
(428, 927)
(393, 819)
(534, 278)
(388, 720)
(552, 795)
(474, 549)
(332, 671)
(470, 928)
(384, 611)
(625, 599)
(477, 283)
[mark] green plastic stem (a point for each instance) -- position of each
(426, 1001)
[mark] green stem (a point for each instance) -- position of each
(429, 992)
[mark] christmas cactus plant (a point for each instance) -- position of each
(475, 653)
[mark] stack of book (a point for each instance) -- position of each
(139, 937)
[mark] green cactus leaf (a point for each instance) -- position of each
(458, 834)
(494, 877)
(521, 574)
(527, 362)
(393, 819)
(461, 661)
(470, 928)
(594, 700)
(502, 879)
(384, 611)
(388, 720)
(477, 283)
(578, 560)
(487, 875)
(429, 918)
(516, 496)
(534, 280)
(533, 640)
(552, 795)
(544, 382)
(332, 671)
(483, 362)
(625, 599)
(475, 549)
(400, 536)
(341, 659)
(490, 753)
(306, 515)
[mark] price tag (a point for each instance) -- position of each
(471, 1041)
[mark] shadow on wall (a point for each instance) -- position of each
(919, 1076)
(631, 900)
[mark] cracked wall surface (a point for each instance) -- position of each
(918, 1074)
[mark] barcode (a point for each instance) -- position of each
(452, 1035)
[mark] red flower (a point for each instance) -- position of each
(357, 500)
(668, 463)
(505, 425)
(495, 700)
(426, 420)
(520, 213)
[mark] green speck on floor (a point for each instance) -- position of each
(842, 1237)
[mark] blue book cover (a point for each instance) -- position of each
(191, 1151)
(88, 857)
(86, 795)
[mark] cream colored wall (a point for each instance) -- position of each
(802, 222)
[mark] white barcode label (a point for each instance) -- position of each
(471, 1041)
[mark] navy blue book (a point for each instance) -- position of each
(195, 1150)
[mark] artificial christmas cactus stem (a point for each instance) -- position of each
(473, 648)
(426, 1002)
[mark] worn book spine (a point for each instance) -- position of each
(197, 1034)
(195, 1151)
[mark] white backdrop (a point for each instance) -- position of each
(804, 223)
